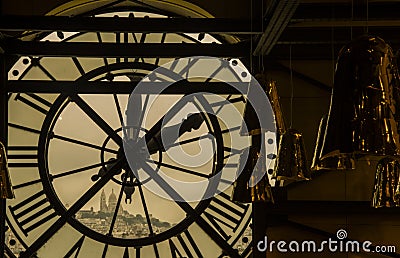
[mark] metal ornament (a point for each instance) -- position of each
(256, 120)
(363, 114)
(386, 191)
(273, 96)
(252, 163)
(291, 163)
(316, 164)
(6, 191)
(252, 185)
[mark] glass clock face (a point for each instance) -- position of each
(76, 195)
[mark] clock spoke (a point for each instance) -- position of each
(76, 248)
(37, 181)
(117, 206)
(221, 104)
(231, 152)
(97, 119)
(204, 225)
(142, 40)
(194, 139)
(231, 129)
(46, 72)
(78, 65)
(118, 106)
(228, 99)
(146, 210)
(99, 38)
(192, 243)
(105, 249)
(148, 219)
(187, 67)
(63, 174)
(34, 101)
(115, 214)
(24, 128)
(60, 222)
(216, 71)
(82, 169)
(86, 144)
(184, 170)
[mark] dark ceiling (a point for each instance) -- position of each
(316, 29)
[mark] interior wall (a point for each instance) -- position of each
(310, 103)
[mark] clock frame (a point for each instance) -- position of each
(220, 219)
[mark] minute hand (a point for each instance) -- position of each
(154, 138)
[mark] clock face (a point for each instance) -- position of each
(76, 192)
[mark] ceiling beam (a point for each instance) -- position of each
(144, 50)
(329, 23)
(120, 87)
(281, 16)
(127, 24)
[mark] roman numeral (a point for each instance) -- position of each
(224, 215)
(34, 101)
(99, 38)
(76, 248)
(187, 246)
(32, 212)
(126, 253)
(137, 251)
(124, 38)
(142, 40)
(174, 250)
(22, 156)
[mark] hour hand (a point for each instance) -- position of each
(172, 133)
(103, 170)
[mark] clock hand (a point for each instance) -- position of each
(129, 188)
(134, 143)
(169, 133)
(73, 209)
(96, 118)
